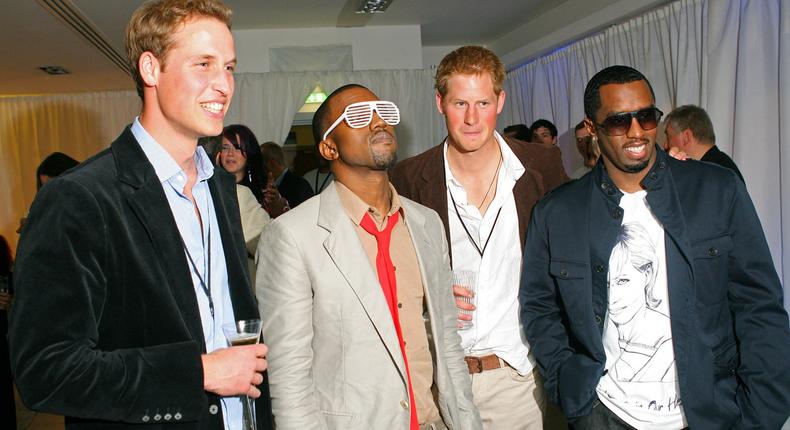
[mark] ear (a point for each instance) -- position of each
(500, 102)
(149, 68)
(328, 149)
(439, 103)
(688, 137)
(590, 127)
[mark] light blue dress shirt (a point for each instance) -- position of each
(200, 244)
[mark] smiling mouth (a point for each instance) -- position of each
(213, 107)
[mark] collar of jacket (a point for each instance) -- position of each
(654, 180)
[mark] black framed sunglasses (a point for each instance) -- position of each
(619, 124)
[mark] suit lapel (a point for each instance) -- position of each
(346, 252)
(148, 202)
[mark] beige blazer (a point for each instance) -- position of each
(334, 358)
(253, 219)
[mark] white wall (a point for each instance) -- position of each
(432, 55)
(373, 48)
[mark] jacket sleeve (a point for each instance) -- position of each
(567, 373)
(253, 217)
(61, 286)
(761, 323)
(459, 371)
(285, 299)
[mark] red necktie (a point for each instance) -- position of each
(386, 273)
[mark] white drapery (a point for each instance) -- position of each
(267, 102)
(730, 57)
(32, 127)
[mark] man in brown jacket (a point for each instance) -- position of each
(491, 184)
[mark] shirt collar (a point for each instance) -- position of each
(653, 180)
(513, 166)
(356, 208)
(164, 164)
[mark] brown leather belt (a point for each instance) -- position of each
(486, 362)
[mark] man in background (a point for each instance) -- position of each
(689, 129)
(484, 187)
(544, 132)
(518, 131)
(587, 145)
(294, 188)
(131, 263)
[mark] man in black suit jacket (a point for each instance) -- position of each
(294, 188)
(115, 323)
(648, 292)
(689, 129)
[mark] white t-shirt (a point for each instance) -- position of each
(640, 385)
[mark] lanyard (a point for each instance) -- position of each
(205, 285)
(469, 235)
(323, 184)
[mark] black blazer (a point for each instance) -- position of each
(105, 328)
(730, 330)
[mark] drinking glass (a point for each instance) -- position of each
(244, 332)
(468, 280)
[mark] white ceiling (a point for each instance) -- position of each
(33, 37)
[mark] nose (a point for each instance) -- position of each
(470, 115)
(636, 130)
(224, 83)
(376, 122)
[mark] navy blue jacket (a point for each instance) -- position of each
(730, 330)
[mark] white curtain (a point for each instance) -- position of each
(267, 102)
(730, 57)
(32, 127)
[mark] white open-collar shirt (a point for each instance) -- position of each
(496, 329)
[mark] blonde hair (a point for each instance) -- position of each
(152, 26)
(470, 60)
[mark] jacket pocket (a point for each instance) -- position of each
(570, 277)
(711, 268)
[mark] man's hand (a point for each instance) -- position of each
(462, 298)
(275, 203)
(235, 371)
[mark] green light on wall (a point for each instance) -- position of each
(317, 96)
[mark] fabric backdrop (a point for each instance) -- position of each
(730, 57)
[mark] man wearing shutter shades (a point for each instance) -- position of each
(344, 281)
(648, 292)
(130, 264)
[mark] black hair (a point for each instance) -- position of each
(243, 139)
(54, 165)
(610, 75)
(321, 120)
(520, 132)
(545, 124)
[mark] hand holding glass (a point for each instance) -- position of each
(245, 332)
(466, 280)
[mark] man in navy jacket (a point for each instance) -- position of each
(648, 292)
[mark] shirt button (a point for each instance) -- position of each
(653, 175)
(598, 319)
(404, 404)
(662, 164)
(616, 213)
(157, 417)
(146, 418)
(563, 273)
(599, 269)
(168, 417)
(713, 252)
(213, 409)
(177, 416)
(400, 305)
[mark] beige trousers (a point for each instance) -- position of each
(509, 401)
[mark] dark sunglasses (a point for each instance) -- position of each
(619, 124)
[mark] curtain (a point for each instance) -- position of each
(730, 57)
(32, 127)
(267, 102)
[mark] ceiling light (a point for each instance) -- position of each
(373, 6)
(54, 70)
